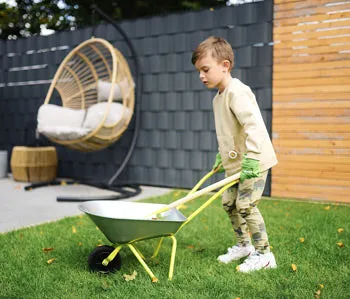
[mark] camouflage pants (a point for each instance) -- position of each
(240, 203)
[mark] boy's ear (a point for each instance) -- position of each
(226, 64)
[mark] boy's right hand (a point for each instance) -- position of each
(218, 163)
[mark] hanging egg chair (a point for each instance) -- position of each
(97, 95)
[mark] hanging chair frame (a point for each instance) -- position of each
(103, 135)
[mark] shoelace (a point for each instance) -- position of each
(233, 249)
(251, 260)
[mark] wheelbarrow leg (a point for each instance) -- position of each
(142, 262)
(172, 258)
(156, 251)
(111, 257)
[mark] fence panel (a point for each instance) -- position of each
(311, 99)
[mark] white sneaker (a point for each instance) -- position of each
(257, 261)
(236, 252)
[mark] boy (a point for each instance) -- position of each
(245, 146)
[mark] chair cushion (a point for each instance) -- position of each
(96, 112)
(68, 124)
(104, 87)
(61, 123)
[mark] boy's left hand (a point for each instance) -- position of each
(250, 169)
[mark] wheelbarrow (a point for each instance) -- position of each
(126, 223)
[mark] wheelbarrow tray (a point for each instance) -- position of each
(125, 222)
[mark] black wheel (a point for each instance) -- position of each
(98, 255)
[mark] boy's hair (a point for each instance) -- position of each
(219, 48)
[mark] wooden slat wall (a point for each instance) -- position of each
(311, 99)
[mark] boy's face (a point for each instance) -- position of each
(212, 72)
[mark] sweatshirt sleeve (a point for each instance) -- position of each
(249, 116)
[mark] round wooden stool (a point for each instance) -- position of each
(34, 164)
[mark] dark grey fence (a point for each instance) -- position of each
(177, 142)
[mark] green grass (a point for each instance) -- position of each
(25, 273)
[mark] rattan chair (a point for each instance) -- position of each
(77, 81)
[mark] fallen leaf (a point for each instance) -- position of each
(50, 261)
(181, 207)
(340, 230)
(327, 208)
(74, 230)
(294, 267)
(130, 277)
(63, 183)
(105, 285)
(190, 246)
(80, 244)
(340, 244)
(47, 249)
(317, 294)
(302, 240)
(321, 286)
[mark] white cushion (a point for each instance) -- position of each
(61, 123)
(96, 112)
(104, 87)
(64, 132)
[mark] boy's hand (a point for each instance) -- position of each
(218, 162)
(250, 169)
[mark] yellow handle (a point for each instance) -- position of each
(199, 193)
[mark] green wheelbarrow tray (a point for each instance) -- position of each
(125, 223)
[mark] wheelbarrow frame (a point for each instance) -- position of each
(229, 182)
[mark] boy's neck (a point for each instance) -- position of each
(225, 82)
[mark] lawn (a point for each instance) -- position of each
(310, 241)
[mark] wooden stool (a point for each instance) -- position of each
(34, 164)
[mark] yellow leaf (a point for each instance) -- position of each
(321, 286)
(340, 244)
(50, 261)
(340, 230)
(105, 285)
(63, 183)
(294, 267)
(181, 207)
(302, 240)
(47, 249)
(74, 230)
(80, 244)
(130, 277)
(327, 208)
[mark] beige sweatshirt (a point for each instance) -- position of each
(240, 128)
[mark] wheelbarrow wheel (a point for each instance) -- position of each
(98, 255)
